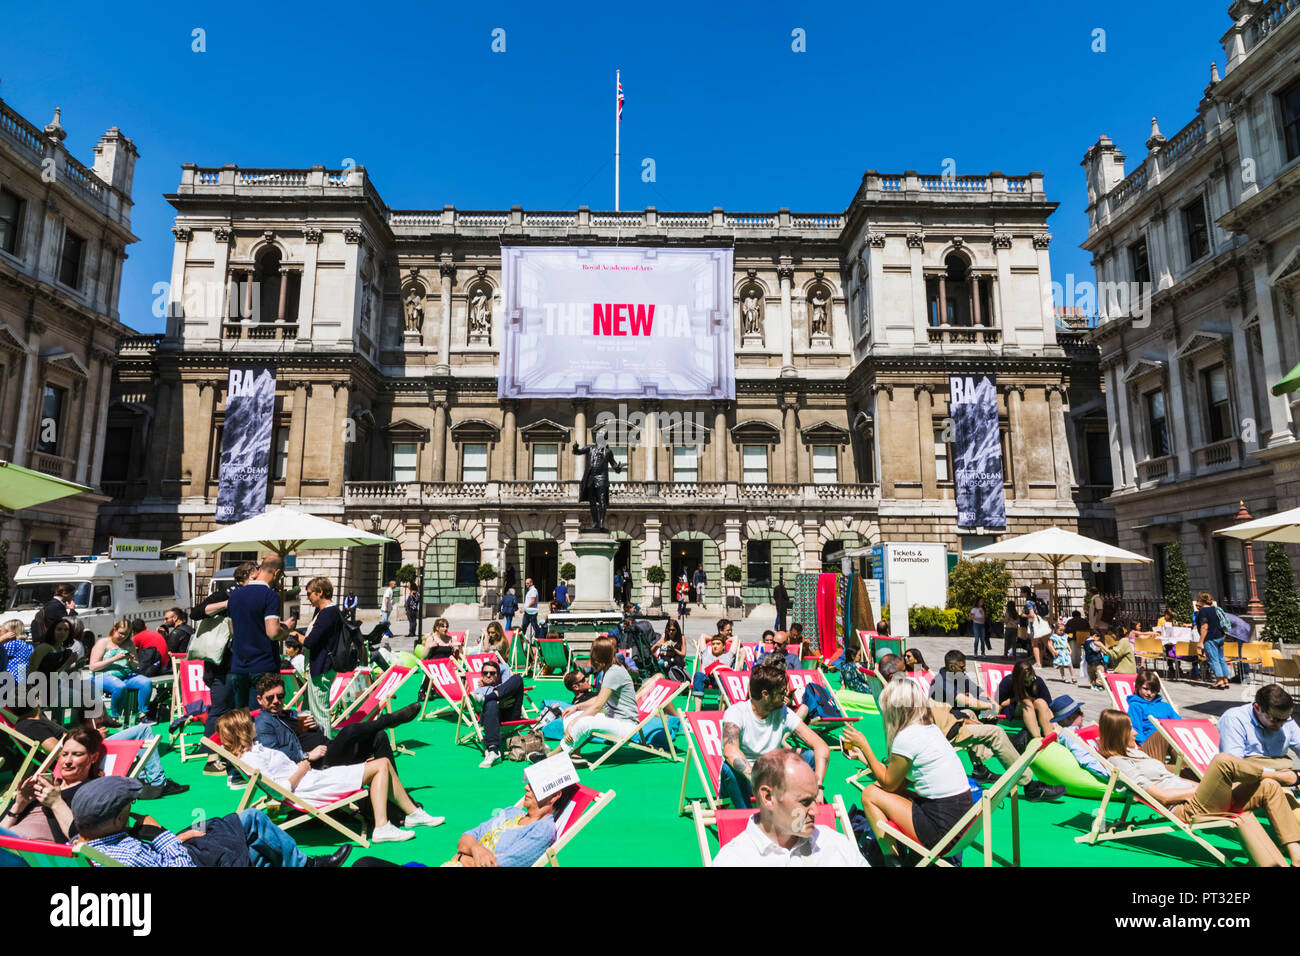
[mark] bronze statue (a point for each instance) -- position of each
(595, 479)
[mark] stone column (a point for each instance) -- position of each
(220, 272)
(89, 414)
(1119, 476)
(200, 433)
(976, 318)
(719, 441)
(339, 448)
(307, 288)
(439, 439)
(158, 440)
(790, 437)
(1246, 407)
(651, 554)
(920, 304)
(883, 395)
(1060, 447)
(248, 295)
(650, 439)
(943, 301)
(786, 274)
(1020, 462)
(25, 397)
(925, 435)
(1178, 413)
(297, 440)
(1006, 323)
(108, 359)
(1277, 411)
(1125, 428)
(284, 296)
(579, 435)
(509, 437)
(446, 270)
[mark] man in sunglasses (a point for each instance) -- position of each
(1263, 732)
(501, 695)
(775, 647)
(299, 738)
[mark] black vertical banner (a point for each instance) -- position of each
(977, 441)
(246, 443)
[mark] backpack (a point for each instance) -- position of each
(37, 630)
(347, 649)
(819, 702)
(148, 662)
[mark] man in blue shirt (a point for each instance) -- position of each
(254, 612)
(515, 836)
(1262, 731)
(562, 596)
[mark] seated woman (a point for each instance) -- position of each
(670, 649)
(916, 667)
(1230, 784)
(515, 836)
(1023, 694)
(437, 643)
(918, 752)
(321, 787)
(1146, 702)
(493, 638)
(41, 809)
(113, 663)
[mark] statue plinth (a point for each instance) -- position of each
(595, 578)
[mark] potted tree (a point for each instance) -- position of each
(732, 576)
(486, 572)
(655, 575)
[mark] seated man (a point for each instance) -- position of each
(102, 808)
(142, 637)
(951, 686)
(499, 699)
(519, 835)
(980, 741)
(1263, 732)
(751, 728)
(298, 738)
(783, 833)
(578, 683)
(712, 657)
(775, 647)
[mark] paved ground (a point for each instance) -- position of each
(1188, 696)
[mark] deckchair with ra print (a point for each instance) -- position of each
(45, 853)
(1121, 686)
(655, 696)
(442, 675)
(379, 698)
(469, 715)
(191, 701)
(704, 753)
(991, 678)
(122, 758)
(799, 681)
(1195, 741)
(1163, 822)
(271, 793)
(581, 810)
(732, 685)
(732, 823)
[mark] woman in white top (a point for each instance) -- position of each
(918, 752)
(322, 787)
(979, 624)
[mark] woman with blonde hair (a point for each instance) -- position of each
(918, 752)
(321, 787)
(112, 666)
(493, 638)
(1229, 785)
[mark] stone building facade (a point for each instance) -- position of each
(384, 326)
(1197, 258)
(64, 229)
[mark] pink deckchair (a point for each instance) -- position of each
(704, 753)
(1195, 741)
(189, 688)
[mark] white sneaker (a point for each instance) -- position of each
(490, 759)
(421, 818)
(391, 834)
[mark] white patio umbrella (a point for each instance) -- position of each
(1283, 527)
(1056, 546)
(23, 488)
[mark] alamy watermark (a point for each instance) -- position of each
(51, 691)
(634, 428)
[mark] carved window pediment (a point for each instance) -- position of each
(1143, 367)
(1198, 341)
(544, 430)
(68, 362)
(405, 430)
(755, 431)
(475, 430)
(825, 433)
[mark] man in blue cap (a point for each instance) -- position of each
(102, 808)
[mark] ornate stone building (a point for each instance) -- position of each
(384, 326)
(1197, 256)
(64, 229)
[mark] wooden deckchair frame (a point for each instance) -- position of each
(627, 741)
(695, 758)
(552, 855)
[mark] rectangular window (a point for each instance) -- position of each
(74, 250)
(754, 464)
(1098, 449)
(826, 468)
(281, 453)
(1232, 570)
(1218, 414)
(1157, 425)
(941, 471)
(1137, 260)
(546, 463)
(467, 552)
(473, 462)
(405, 460)
(117, 453)
(622, 456)
(1198, 232)
(686, 463)
(11, 217)
(50, 428)
(759, 561)
(1290, 101)
(149, 586)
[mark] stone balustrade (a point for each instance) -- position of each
(638, 493)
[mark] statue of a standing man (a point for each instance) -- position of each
(595, 479)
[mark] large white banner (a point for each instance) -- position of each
(625, 322)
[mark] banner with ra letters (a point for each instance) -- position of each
(977, 452)
(629, 322)
(246, 443)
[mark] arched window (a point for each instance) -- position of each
(274, 303)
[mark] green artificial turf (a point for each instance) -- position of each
(641, 826)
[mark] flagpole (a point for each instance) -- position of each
(618, 82)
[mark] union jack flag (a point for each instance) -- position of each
(620, 98)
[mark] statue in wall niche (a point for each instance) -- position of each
(414, 307)
(751, 312)
(819, 324)
(480, 312)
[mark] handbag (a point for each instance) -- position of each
(524, 745)
(212, 640)
(1041, 627)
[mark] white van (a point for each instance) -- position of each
(107, 589)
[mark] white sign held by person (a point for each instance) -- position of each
(551, 775)
(629, 322)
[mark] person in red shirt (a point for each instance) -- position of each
(143, 637)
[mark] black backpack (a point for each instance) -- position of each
(37, 630)
(347, 649)
(148, 662)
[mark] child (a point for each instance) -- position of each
(294, 655)
(1061, 652)
(578, 683)
(711, 658)
(1094, 657)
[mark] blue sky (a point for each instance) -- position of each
(731, 115)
